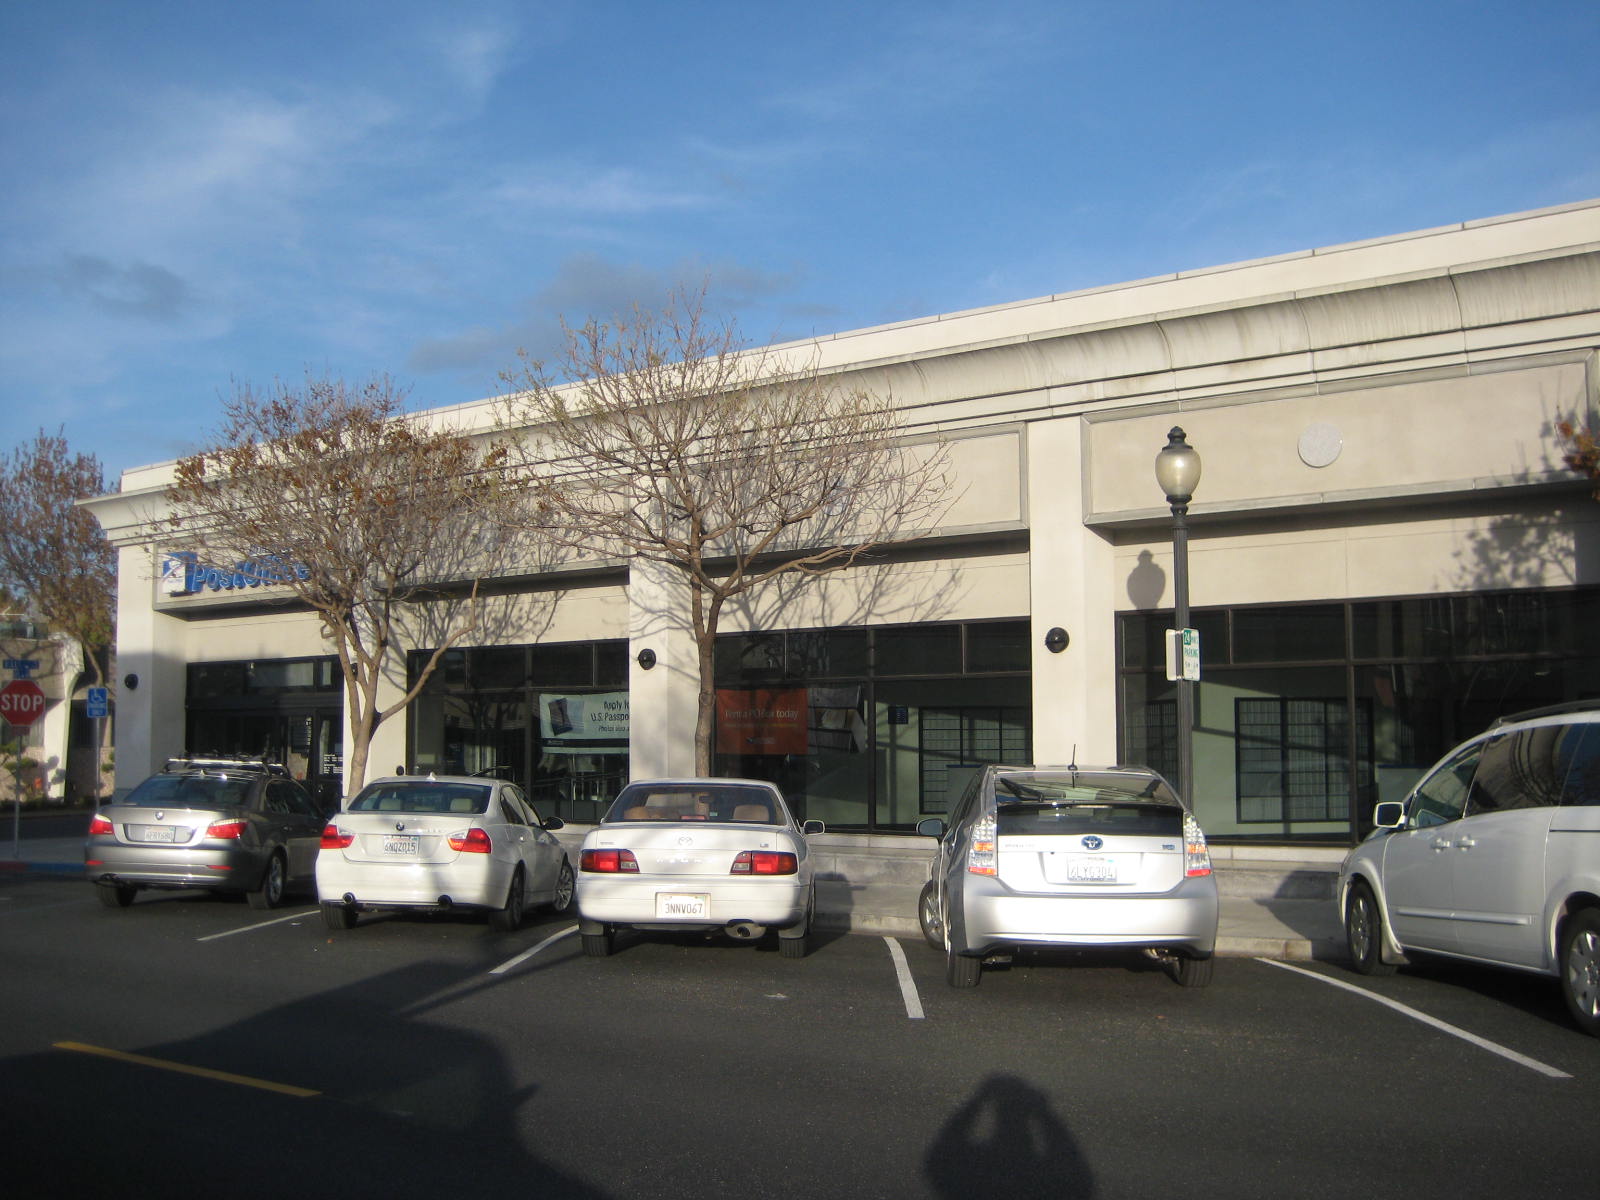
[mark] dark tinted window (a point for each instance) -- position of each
(568, 665)
(998, 646)
(1517, 771)
(1106, 820)
(1442, 796)
(1580, 747)
(919, 650)
(1304, 633)
(191, 791)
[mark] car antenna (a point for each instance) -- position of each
(1073, 765)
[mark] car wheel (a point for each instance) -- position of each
(115, 895)
(338, 916)
(273, 882)
(962, 970)
(928, 915)
(598, 945)
(565, 889)
(510, 917)
(1363, 931)
(1193, 972)
(1580, 969)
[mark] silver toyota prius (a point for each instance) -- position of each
(1070, 856)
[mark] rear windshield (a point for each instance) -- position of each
(191, 791)
(423, 796)
(742, 805)
(1138, 818)
(1084, 802)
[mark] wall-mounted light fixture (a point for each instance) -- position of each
(130, 682)
(1056, 640)
(646, 659)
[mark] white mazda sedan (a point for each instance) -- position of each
(439, 844)
(711, 854)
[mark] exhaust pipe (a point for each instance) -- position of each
(745, 931)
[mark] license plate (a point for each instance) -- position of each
(161, 833)
(400, 845)
(1092, 870)
(675, 905)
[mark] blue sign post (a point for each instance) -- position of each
(98, 703)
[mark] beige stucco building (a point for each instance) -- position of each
(1386, 552)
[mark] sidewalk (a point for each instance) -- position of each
(1277, 902)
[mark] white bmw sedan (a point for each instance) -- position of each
(441, 843)
(713, 854)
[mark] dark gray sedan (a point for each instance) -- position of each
(219, 824)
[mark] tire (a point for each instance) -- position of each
(115, 895)
(794, 943)
(1363, 931)
(566, 888)
(962, 970)
(928, 915)
(1580, 969)
(598, 945)
(274, 881)
(510, 918)
(1193, 972)
(338, 916)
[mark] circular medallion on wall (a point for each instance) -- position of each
(1320, 444)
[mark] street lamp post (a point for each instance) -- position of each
(1178, 473)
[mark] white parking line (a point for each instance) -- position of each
(1532, 1064)
(296, 916)
(529, 953)
(908, 988)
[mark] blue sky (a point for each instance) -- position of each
(202, 193)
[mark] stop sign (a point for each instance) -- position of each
(21, 702)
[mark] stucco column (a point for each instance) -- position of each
(1072, 585)
(662, 699)
(151, 650)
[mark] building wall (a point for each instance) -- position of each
(1374, 419)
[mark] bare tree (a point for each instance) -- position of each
(675, 442)
(361, 512)
(54, 556)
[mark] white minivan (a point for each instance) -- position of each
(1494, 857)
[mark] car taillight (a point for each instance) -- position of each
(981, 857)
(608, 861)
(100, 824)
(471, 841)
(334, 838)
(764, 862)
(227, 830)
(1196, 855)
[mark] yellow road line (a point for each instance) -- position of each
(286, 1089)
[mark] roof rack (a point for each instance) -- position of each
(1592, 704)
(224, 762)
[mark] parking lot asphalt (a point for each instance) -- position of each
(1256, 921)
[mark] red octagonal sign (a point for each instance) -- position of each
(21, 702)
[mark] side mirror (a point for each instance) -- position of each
(813, 827)
(552, 824)
(933, 827)
(1390, 814)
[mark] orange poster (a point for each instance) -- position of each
(761, 720)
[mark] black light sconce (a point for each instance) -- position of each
(646, 659)
(130, 682)
(1056, 640)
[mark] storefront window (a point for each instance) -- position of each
(1288, 750)
(552, 718)
(873, 728)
